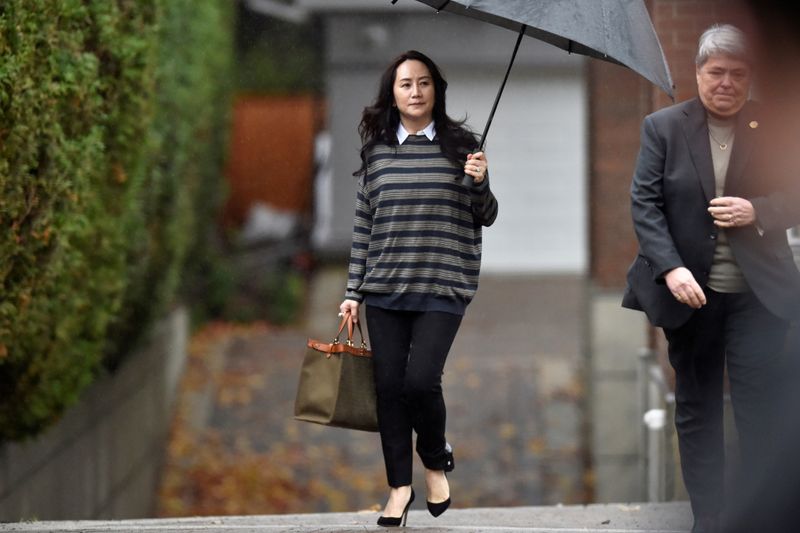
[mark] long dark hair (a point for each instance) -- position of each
(380, 120)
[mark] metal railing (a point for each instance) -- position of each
(657, 454)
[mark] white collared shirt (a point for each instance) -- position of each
(429, 131)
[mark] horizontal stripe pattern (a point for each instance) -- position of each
(417, 230)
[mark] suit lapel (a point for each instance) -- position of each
(746, 127)
(695, 127)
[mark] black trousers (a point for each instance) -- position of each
(738, 330)
(409, 350)
(768, 501)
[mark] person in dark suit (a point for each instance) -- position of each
(714, 267)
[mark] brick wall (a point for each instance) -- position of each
(619, 101)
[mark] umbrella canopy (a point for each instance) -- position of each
(617, 31)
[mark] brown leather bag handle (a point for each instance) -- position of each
(341, 347)
(347, 319)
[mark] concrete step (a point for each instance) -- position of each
(608, 518)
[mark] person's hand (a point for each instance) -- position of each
(684, 287)
(732, 212)
(476, 166)
(349, 306)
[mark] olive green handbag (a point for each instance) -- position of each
(337, 386)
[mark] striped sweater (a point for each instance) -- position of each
(417, 232)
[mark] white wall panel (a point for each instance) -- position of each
(538, 159)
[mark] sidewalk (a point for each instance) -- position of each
(612, 518)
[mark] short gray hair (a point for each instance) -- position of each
(724, 39)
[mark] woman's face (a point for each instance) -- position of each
(723, 84)
(414, 93)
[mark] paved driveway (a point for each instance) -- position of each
(513, 385)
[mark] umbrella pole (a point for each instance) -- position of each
(467, 180)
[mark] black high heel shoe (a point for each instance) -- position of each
(391, 521)
(438, 508)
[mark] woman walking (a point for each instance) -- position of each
(414, 264)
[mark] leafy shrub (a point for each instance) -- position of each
(112, 125)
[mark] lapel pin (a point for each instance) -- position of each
(753, 124)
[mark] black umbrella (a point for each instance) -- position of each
(617, 31)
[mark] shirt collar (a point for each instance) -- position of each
(429, 131)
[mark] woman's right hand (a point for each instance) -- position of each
(476, 166)
(349, 306)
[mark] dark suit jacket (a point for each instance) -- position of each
(672, 186)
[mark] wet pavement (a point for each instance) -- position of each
(513, 385)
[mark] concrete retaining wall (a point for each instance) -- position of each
(102, 460)
(616, 337)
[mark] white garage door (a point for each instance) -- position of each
(537, 156)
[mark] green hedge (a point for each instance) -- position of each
(113, 116)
